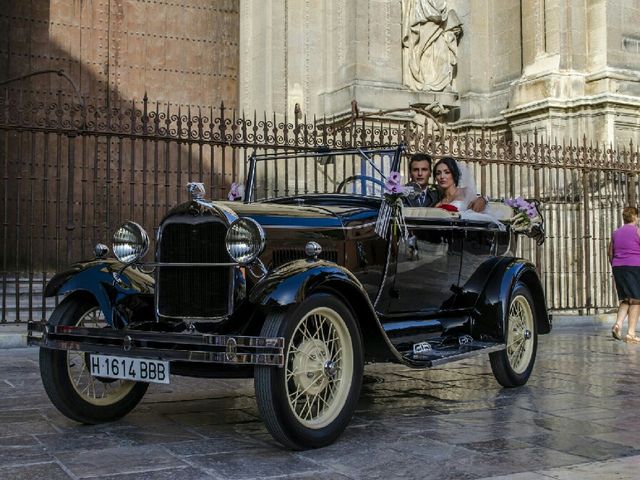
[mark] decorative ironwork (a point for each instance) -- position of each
(72, 173)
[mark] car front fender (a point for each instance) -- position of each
(105, 280)
(292, 283)
(492, 308)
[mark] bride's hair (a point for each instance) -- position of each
(452, 165)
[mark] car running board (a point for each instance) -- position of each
(425, 354)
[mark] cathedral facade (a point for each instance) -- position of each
(561, 68)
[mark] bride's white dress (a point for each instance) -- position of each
(466, 194)
(484, 216)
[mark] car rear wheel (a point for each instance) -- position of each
(66, 378)
(310, 401)
(513, 365)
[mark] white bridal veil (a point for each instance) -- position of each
(467, 193)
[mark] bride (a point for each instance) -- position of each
(459, 190)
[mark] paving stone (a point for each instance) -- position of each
(588, 447)
(221, 417)
(620, 437)
(466, 434)
(621, 469)
(23, 428)
(41, 471)
(535, 458)
(186, 473)
(588, 413)
(324, 475)
(221, 443)
(519, 476)
(22, 415)
(18, 441)
(577, 427)
(23, 455)
(263, 463)
(496, 445)
(356, 461)
(66, 442)
(152, 434)
(123, 459)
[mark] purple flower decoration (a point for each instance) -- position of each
(395, 189)
(526, 219)
(392, 185)
(522, 206)
(234, 192)
(522, 203)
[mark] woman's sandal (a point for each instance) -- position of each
(631, 338)
(615, 331)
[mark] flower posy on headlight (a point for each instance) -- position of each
(130, 242)
(245, 240)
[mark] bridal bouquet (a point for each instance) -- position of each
(391, 208)
(526, 219)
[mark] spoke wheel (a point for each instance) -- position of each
(97, 391)
(519, 334)
(319, 367)
(66, 378)
(513, 365)
(309, 402)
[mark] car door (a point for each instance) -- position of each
(427, 267)
(484, 243)
(481, 241)
(425, 280)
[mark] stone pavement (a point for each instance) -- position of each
(575, 419)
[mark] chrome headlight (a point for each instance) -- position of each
(130, 242)
(245, 240)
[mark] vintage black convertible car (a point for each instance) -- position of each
(293, 286)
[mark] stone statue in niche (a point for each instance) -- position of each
(430, 33)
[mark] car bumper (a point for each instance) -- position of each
(190, 347)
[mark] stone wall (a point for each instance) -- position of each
(182, 52)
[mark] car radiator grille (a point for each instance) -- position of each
(193, 291)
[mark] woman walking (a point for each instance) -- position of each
(624, 256)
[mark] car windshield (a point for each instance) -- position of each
(360, 172)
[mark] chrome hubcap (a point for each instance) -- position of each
(330, 369)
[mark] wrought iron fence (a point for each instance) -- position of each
(72, 173)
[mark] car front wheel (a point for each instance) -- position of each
(66, 378)
(513, 365)
(310, 401)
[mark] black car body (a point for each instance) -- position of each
(297, 290)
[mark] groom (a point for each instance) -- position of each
(420, 171)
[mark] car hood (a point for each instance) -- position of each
(272, 214)
(277, 214)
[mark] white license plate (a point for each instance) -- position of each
(138, 369)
